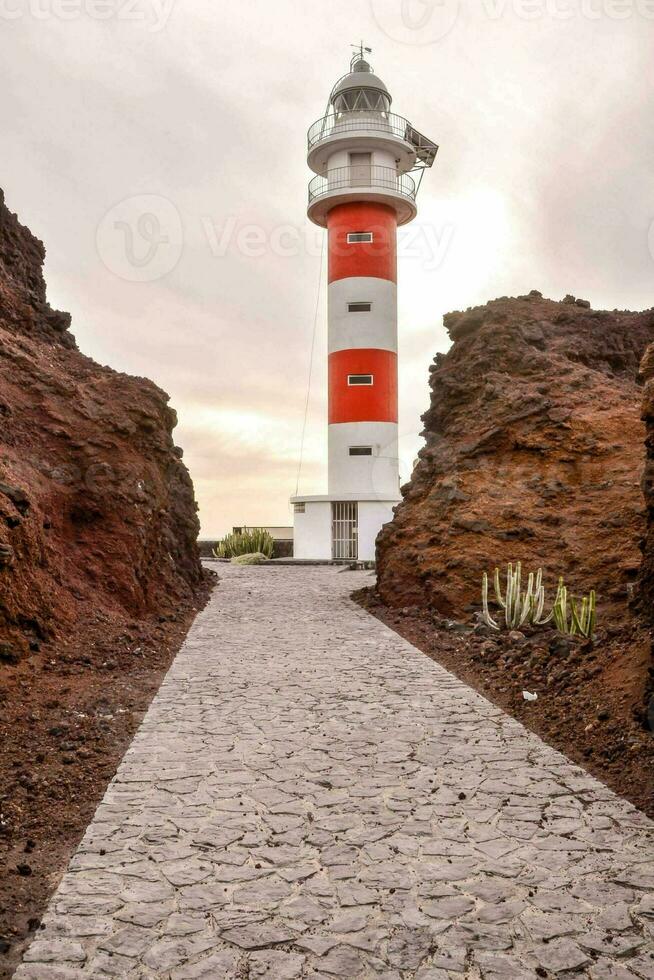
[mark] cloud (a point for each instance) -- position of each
(543, 181)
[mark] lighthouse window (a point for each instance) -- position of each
(360, 450)
(359, 307)
(360, 379)
(355, 237)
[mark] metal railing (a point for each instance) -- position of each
(357, 178)
(369, 121)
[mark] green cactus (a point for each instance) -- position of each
(249, 541)
(571, 621)
(521, 607)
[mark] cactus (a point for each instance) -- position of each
(519, 607)
(527, 607)
(246, 542)
(571, 621)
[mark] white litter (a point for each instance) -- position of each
(529, 697)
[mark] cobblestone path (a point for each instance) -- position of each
(310, 796)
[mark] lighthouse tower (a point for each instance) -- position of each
(364, 157)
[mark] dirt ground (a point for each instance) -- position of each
(67, 714)
(592, 697)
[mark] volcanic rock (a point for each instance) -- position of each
(644, 598)
(533, 451)
(97, 511)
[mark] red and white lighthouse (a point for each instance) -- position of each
(363, 155)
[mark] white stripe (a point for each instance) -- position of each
(377, 329)
(378, 473)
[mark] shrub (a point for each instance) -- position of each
(246, 542)
(254, 559)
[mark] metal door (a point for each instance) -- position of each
(345, 520)
(361, 169)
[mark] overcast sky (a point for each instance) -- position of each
(158, 149)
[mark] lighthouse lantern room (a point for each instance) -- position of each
(365, 158)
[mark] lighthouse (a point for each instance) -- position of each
(368, 163)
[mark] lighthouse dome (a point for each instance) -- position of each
(361, 89)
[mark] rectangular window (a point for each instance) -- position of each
(360, 450)
(299, 508)
(359, 307)
(359, 379)
(359, 236)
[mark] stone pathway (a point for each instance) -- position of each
(309, 796)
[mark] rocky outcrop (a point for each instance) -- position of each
(97, 513)
(644, 599)
(534, 452)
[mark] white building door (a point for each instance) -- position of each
(345, 521)
(361, 169)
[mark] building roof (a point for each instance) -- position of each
(362, 77)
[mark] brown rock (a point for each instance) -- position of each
(644, 593)
(533, 452)
(95, 502)
(6, 555)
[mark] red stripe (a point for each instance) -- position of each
(377, 258)
(362, 403)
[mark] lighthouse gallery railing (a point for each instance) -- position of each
(386, 123)
(382, 123)
(344, 178)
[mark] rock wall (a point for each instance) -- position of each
(644, 599)
(97, 512)
(534, 452)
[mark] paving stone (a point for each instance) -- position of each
(221, 964)
(447, 908)
(257, 936)
(36, 971)
(166, 954)
(453, 960)
(498, 966)
(147, 914)
(409, 947)
(267, 893)
(368, 940)
(561, 955)
(318, 944)
(341, 961)
(605, 969)
(182, 924)
(131, 941)
(274, 965)
(55, 951)
(309, 796)
(111, 965)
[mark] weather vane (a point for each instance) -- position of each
(360, 50)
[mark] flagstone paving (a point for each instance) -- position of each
(310, 796)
